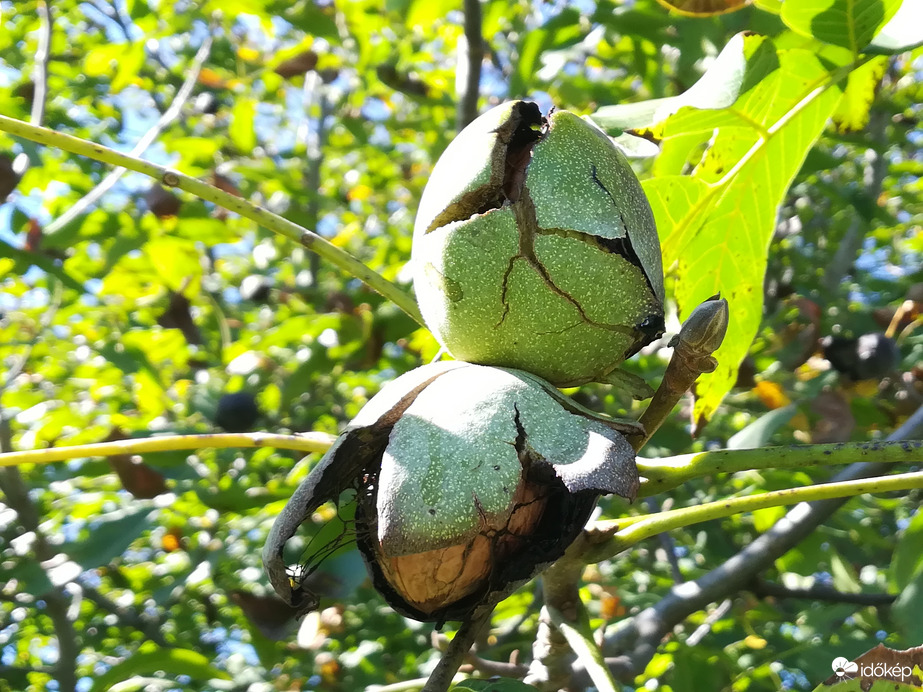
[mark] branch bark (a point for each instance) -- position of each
(764, 589)
(635, 640)
(149, 137)
(40, 72)
(552, 656)
(469, 67)
(874, 171)
(57, 601)
(441, 677)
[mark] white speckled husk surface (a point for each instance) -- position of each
(451, 461)
(535, 289)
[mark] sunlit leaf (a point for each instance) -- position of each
(848, 23)
(153, 660)
(715, 231)
(109, 537)
(719, 87)
(242, 129)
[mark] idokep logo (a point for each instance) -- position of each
(847, 669)
(842, 665)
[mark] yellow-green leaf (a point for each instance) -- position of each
(716, 224)
(241, 129)
(852, 113)
(153, 659)
(176, 261)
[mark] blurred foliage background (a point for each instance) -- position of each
(150, 312)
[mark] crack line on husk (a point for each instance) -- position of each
(527, 226)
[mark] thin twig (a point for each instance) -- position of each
(552, 657)
(303, 442)
(40, 72)
(624, 533)
(47, 318)
(488, 668)
(441, 677)
(169, 115)
(636, 639)
(818, 592)
(152, 629)
(700, 336)
(660, 475)
(170, 178)
(581, 641)
(702, 630)
(112, 12)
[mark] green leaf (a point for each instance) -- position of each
(108, 537)
(425, 13)
(760, 431)
(852, 113)
(530, 51)
(241, 129)
(500, 685)
(719, 87)
(130, 64)
(176, 261)
(153, 659)
(124, 59)
(715, 231)
(848, 23)
(908, 556)
(25, 259)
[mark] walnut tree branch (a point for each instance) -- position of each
(56, 601)
(169, 115)
(635, 640)
(470, 65)
(762, 589)
(441, 677)
(552, 657)
(40, 72)
(171, 178)
(700, 336)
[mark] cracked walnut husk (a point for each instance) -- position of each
(535, 248)
(467, 481)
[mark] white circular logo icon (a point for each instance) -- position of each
(841, 665)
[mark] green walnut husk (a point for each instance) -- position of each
(535, 248)
(468, 480)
